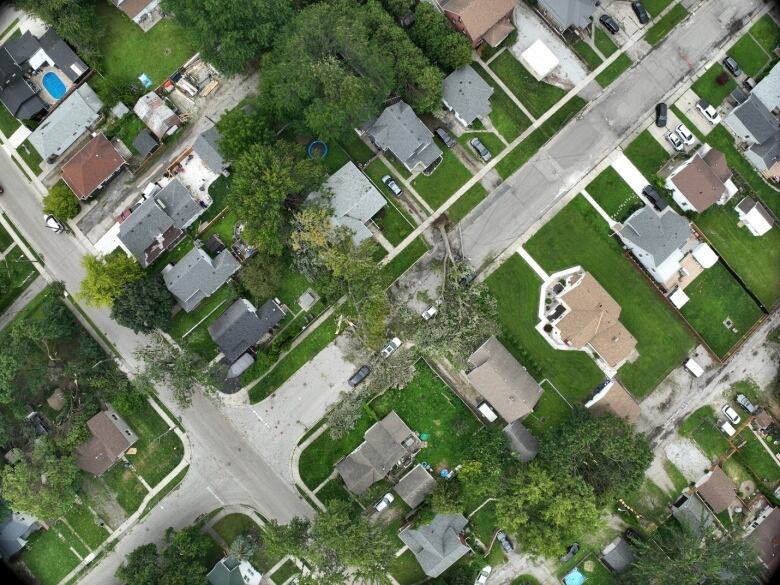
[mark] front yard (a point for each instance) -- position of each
(646, 154)
(231, 526)
(448, 177)
(48, 557)
(28, 153)
(709, 89)
(489, 139)
(614, 195)
(537, 96)
(508, 119)
(16, 274)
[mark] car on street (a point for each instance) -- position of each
(709, 112)
(660, 115)
(385, 502)
(675, 141)
(392, 185)
(429, 312)
(730, 414)
(733, 67)
(685, 134)
(745, 403)
(53, 224)
(655, 199)
(359, 376)
(481, 149)
(506, 544)
(394, 344)
(448, 140)
(609, 23)
(641, 12)
(483, 575)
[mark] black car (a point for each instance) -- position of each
(660, 115)
(609, 23)
(733, 67)
(359, 376)
(658, 202)
(445, 137)
(641, 12)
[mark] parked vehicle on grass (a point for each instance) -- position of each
(609, 23)
(359, 376)
(730, 414)
(675, 141)
(506, 544)
(448, 140)
(660, 115)
(481, 149)
(641, 12)
(745, 403)
(394, 344)
(429, 312)
(392, 185)
(685, 134)
(709, 112)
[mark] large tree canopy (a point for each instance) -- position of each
(441, 43)
(107, 277)
(143, 305)
(232, 32)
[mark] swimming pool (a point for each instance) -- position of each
(53, 85)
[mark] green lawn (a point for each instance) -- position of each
(70, 537)
(337, 158)
(508, 119)
(287, 570)
(5, 239)
(375, 171)
(483, 523)
(233, 525)
(335, 490)
(614, 195)
(749, 54)
(468, 201)
(394, 223)
(587, 53)
(8, 124)
(406, 569)
(16, 274)
(448, 177)
(646, 154)
(489, 139)
(766, 32)
(174, 255)
(129, 491)
(28, 153)
(127, 51)
(757, 459)
(356, 148)
(550, 411)
(655, 7)
(48, 558)
(537, 96)
(577, 235)
(183, 322)
(714, 297)
(604, 42)
(701, 426)
(709, 89)
(405, 260)
(665, 25)
(218, 191)
(126, 129)
(85, 525)
(614, 70)
(222, 228)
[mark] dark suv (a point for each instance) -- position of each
(609, 23)
(660, 115)
(658, 202)
(641, 12)
(445, 137)
(359, 376)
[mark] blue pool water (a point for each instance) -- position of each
(53, 85)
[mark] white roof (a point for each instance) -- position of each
(757, 221)
(694, 368)
(539, 60)
(705, 255)
(678, 298)
(486, 411)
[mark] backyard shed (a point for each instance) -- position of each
(521, 441)
(415, 486)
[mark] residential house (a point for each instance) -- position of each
(764, 533)
(145, 13)
(617, 556)
(615, 399)
(15, 529)
(768, 90)
(157, 224)
(206, 146)
(765, 157)
(353, 199)
(466, 95)
(482, 21)
(92, 167)
(413, 487)
(702, 181)
(717, 490)
(400, 131)
(231, 571)
(757, 128)
(110, 437)
(438, 545)
(197, 276)
(754, 216)
(145, 143)
(72, 117)
(18, 96)
(691, 513)
(386, 444)
(242, 326)
(657, 241)
(502, 381)
(156, 114)
(523, 444)
(565, 14)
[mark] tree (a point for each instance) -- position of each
(447, 497)
(675, 555)
(143, 305)
(287, 539)
(243, 547)
(603, 450)
(106, 277)
(549, 511)
(261, 275)
(486, 462)
(61, 202)
(57, 324)
(231, 34)
(398, 7)
(431, 31)
(240, 128)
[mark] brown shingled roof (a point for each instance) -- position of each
(702, 184)
(111, 436)
(480, 16)
(619, 402)
(91, 166)
(717, 489)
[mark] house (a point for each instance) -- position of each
(753, 215)
(615, 399)
(692, 514)
(67, 123)
(206, 146)
(617, 556)
(656, 241)
(482, 21)
(523, 444)
(565, 14)
(399, 130)
(145, 13)
(157, 224)
(156, 114)
(768, 90)
(751, 122)
(755, 124)
(764, 533)
(765, 157)
(354, 200)
(110, 438)
(466, 95)
(18, 96)
(15, 530)
(92, 167)
(702, 181)
(502, 381)
(197, 276)
(438, 545)
(717, 490)
(415, 486)
(386, 443)
(242, 326)
(231, 571)
(145, 143)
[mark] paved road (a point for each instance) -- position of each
(519, 202)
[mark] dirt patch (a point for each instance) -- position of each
(687, 457)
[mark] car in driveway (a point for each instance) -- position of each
(641, 12)
(675, 141)
(384, 503)
(730, 414)
(685, 134)
(660, 115)
(448, 140)
(708, 111)
(483, 575)
(394, 344)
(655, 199)
(481, 149)
(504, 541)
(609, 23)
(359, 376)
(732, 66)
(392, 185)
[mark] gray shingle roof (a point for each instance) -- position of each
(657, 234)
(145, 142)
(756, 119)
(63, 56)
(437, 546)
(467, 93)
(768, 89)
(570, 12)
(522, 442)
(414, 486)
(399, 130)
(198, 276)
(15, 529)
(691, 512)
(617, 555)
(769, 151)
(241, 326)
(178, 204)
(206, 146)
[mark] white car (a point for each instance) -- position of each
(392, 185)
(710, 113)
(385, 502)
(676, 141)
(685, 134)
(429, 312)
(53, 224)
(730, 414)
(394, 344)
(483, 575)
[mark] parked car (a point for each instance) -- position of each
(481, 149)
(394, 344)
(730, 414)
(53, 224)
(655, 199)
(641, 12)
(609, 23)
(733, 67)
(745, 403)
(483, 575)
(503, 539)
(685, 134)
(385, 502)
(709, 112)
(660, 115)
(570, 552)
(675, 141)
(445, 137)
(429, 312)
(392, 185)
(359, 376)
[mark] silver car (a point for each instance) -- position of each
(481, 149)
(394, 344)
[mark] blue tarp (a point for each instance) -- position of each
(145, 80)
(575, 577)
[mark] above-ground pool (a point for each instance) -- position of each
(53, 85)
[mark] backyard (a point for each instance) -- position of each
(614, 195)
(537, 96)
(701, 426)
(753, 456)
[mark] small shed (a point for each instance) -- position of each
(415, 486)
(617, 555)
(705, 255)
(57, 400)
(145, 143)
(523, 444)
(678, 298)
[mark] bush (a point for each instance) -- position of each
(61, 202)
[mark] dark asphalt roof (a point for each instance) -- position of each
(241, 326)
